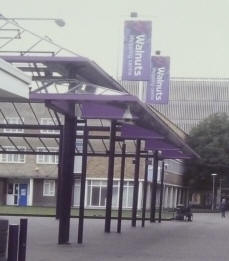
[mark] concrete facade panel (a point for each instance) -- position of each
(173, 179)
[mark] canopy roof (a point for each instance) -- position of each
(64, 80)
(55, 69)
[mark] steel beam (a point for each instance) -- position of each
(59, 180)
(154, 188)
(121, 188)
(161, 190)
(145, 190)
(110, 176)
(30, 135)
(67, 178)
(136, 183)
(30, 126)
(82, 187)
(22, 239)
(13, 243)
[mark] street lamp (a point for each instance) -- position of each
(13, 21)
(60, 22)
(220, 188)
(213, 190)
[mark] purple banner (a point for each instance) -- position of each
(137, 51)
(158, 86)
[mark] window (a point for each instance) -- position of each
(76, 197)
(12, 158)
(97, 190)
(49, 188)
(128, 190)
(14, 120)
(47, 159)
(78, 159)
(115, 194)
(48, 121)
(79, 145)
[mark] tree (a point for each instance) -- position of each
(210, 139)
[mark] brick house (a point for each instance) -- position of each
(31, 180)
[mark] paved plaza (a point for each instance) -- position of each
(206, 238)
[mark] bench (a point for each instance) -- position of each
(183, 213)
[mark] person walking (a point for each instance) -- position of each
(223, 207)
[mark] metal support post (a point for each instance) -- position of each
(161, 190)
(213, 190)
(4, 227)
(110, 176)
(145, 191)
(22, 239)
(136, 184)
(154, 188)
(121, 188)
(59, 181)
(82, 186)
(13, 243)
(69, 138)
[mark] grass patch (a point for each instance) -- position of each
(91, 213)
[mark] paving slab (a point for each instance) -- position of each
(206, 238)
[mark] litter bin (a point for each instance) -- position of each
(4, 225)
(180, 212)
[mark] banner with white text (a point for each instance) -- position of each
(158, 86)
(137, 51)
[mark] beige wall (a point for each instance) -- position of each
(38, 198)
(28, 169)
(97, 167)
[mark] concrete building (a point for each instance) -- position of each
(190, 101)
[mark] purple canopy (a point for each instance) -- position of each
(79, 98)
(137, 132)
(174, 154)
(94, 110)
(159, 145)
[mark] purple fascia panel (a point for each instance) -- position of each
(92, 110)
(159, 145)
(43, 59)
(174, 154)
(137, 132)
(79, 98)
(59, 106)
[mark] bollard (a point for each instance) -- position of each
(13, 242)
(4, 224)
(22, 239)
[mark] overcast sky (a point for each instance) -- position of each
(194, 33)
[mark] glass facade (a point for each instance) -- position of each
(97, 192)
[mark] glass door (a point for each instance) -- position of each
(12, 194)
(16, 194)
